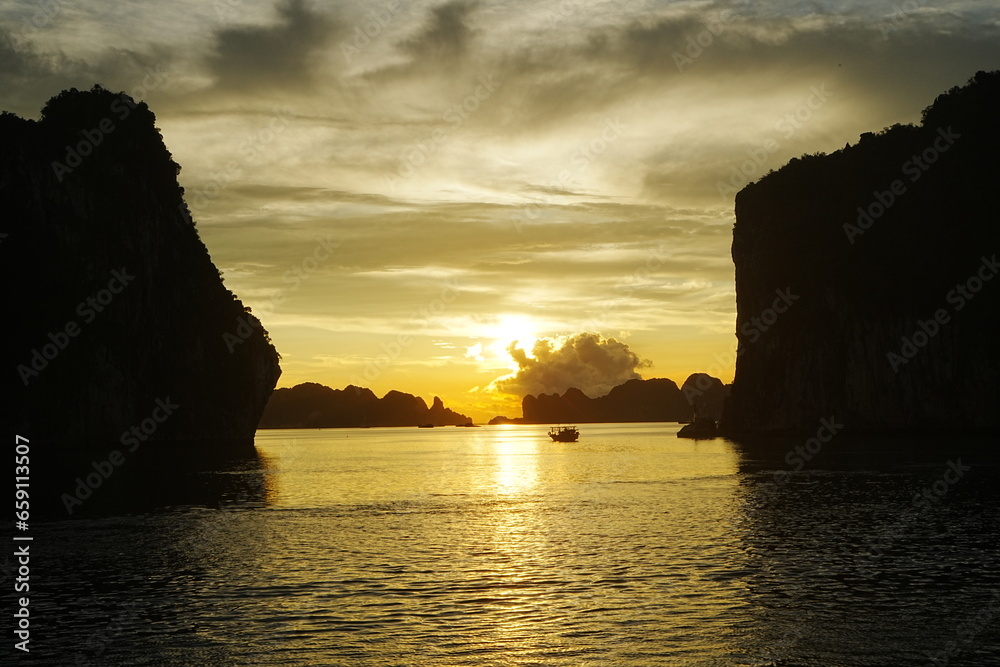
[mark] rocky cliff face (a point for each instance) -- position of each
(866, 280)
(706, 395)
(652, 400)
(118, 318)
(313, 405)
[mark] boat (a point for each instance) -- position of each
(564, 433)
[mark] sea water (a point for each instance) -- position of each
(495, 546)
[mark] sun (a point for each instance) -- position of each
(514, 328)
(497, 333)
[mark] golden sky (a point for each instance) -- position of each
(402, 189)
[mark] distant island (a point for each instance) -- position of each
(122, 333)
(313, 405)
(866, 281)
(652, 400)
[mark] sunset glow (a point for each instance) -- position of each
(471, 174)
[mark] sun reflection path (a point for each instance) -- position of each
(515, 464)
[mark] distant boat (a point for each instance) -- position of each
(426, 426)
(564, 433)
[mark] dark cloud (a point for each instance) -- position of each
(30, 76)
(446, 36)
(279, 56)
(588, 361)
(688, 57)
(442, 52)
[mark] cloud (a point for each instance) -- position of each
(275, 56)
(588, 361)
(442, 47)
(446, 35)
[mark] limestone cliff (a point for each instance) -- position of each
(656, 399)
(118, 317)
(313, 405)
(866, 280)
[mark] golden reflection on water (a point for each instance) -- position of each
(515, 462)
(271, 479)
(497, 541)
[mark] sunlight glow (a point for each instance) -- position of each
(513, 329)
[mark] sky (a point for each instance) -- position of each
(478, 200)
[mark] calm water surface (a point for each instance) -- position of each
(493, 546)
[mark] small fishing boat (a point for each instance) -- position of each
(564, 433)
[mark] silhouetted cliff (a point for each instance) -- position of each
(312, 405)
(706, 395)
(657, 399)
(118, 318)
(866, 280)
